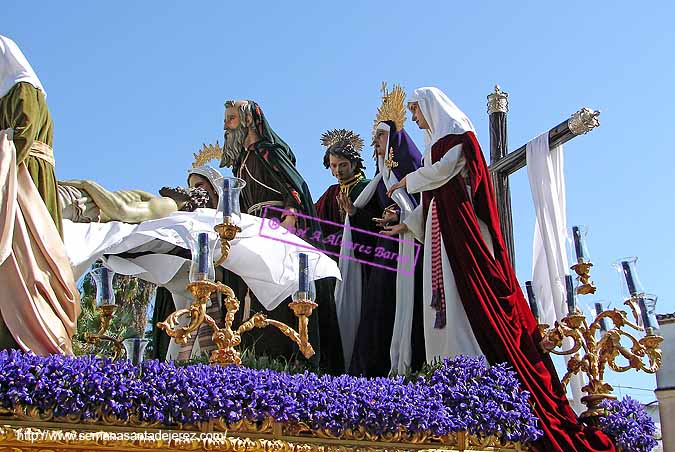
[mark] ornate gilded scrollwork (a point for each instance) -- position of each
(498, 101)
(583, 121)
(43, 438)
(642, 354)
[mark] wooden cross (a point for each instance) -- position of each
(503, 163)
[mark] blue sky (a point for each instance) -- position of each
(136, 87)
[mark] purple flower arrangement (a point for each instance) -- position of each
(462, 394)
(627, 422)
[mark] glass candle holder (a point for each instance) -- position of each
(570, 294)
(647, 305)
(229, 210)
(578, 237)
(630, 283)
(135, 348)
(202, 244)
(306, 264)
(103, 280)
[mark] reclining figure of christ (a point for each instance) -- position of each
(85, 201)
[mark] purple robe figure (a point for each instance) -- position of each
(371, 356)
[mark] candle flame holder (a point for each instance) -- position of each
(583, 271)
(227, 231)
(228, 339)
(642, 354)
(106, 312)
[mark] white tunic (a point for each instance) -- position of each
(457, 336)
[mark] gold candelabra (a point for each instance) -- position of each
(593, 352)
(583, 271)
(226, 339)
(106, 312)
(227, 231)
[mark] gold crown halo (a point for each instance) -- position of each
(392, 108)
(335, 136)
(206, 154)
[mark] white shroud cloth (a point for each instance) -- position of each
(549, 255)
(549, 252)
(269, 267)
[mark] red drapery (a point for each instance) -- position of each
(499, 315)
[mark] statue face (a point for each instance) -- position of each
(417, 116)
(199, 181)
(232, 118)
(381, 143)
(341, 168)
(235, 135)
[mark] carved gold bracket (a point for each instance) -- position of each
(106, 312)
(642, 354)
(583, 271)
(227, 231)
(226, 339)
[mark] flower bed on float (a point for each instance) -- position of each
(462, 403)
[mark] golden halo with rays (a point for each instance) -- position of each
(331, 137)
(392, 108)
(207, 153)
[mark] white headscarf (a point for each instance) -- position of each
(14, 67)
(441, 113)
(213, 176)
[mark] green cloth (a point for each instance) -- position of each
(24, 109)
(358, 188)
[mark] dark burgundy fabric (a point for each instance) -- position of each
(327, 209)
(498, 312)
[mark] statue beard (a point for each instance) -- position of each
(233, 146)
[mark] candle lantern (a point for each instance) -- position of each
(571, 295)
(228, 216)
(202, 244)
(647, 305)
(135, 348)
(628, 276)
(106, 306)
(103, 280)
(582, 260)
(229, 210)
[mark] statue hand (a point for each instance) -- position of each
(345, 203)
(395, 229)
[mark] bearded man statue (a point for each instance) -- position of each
(266, 163)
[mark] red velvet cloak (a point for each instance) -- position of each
(498, 313)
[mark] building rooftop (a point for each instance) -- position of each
(665, 318)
